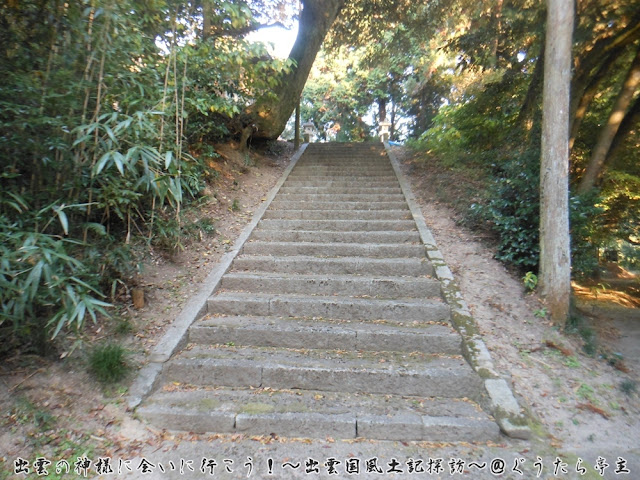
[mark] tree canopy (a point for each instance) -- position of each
(108, 111)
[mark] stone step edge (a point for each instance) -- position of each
(413, 267)
(275, 368)
(176, 334)
(334, 249)
(324, 334)
(366, 286)
(329, 306)
(355, 421)
(328, 236)
(501, 402)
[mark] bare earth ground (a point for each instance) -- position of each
(581, 406)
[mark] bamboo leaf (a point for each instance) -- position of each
(33, 280)
(64, 221)
(118, 160)
(102, 162)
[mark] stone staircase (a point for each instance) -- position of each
(328, 323)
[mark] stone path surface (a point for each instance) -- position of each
(329, 323)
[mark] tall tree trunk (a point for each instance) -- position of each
(631, 120)
(580, 104)
(601, 51)
(527, 113)
(270, 116)
(382, 109)
(394, 111)
(207, 8)
(555, 254)
(496, 37)
(608, 132)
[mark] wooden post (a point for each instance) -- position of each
(296, 142)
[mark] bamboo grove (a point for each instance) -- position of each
(106, 109)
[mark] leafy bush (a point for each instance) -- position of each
(514, 210)
(43, 287)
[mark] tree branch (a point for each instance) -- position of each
(241, 32)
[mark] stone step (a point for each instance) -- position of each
(296, 333)
(338, 225)
(358, 165)
(387, 373)
(334, 250)
(341, 161)
(280, 203)
(334, 266)
(318, 414)
(407, 236)
(360, 171)
(333, 307)
(341, 197)
(290, 214)
(328, 322)
(296, 182)
(341, 190)
(344, 285)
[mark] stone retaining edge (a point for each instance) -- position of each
(501, 402)
(176, 335)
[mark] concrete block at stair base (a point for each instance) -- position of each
(297, 424)
(501, 396)
(481, 356)
(144, 383)
(512, 430)
(506, 409)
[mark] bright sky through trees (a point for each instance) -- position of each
(280, 38)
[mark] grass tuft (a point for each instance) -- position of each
(108, 363)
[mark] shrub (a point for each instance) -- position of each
(108, 362)
(514, 210)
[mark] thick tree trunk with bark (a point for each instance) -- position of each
(270, 116)
(631, 121)
(609, 131)
(555, 254)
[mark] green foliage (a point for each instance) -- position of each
(586, 234)
(107, 362)
(514, 209)
(43, 288)
(97, 104)
(530, 281)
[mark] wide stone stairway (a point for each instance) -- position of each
(329, 323)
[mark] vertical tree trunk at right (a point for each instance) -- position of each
(555, 254)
